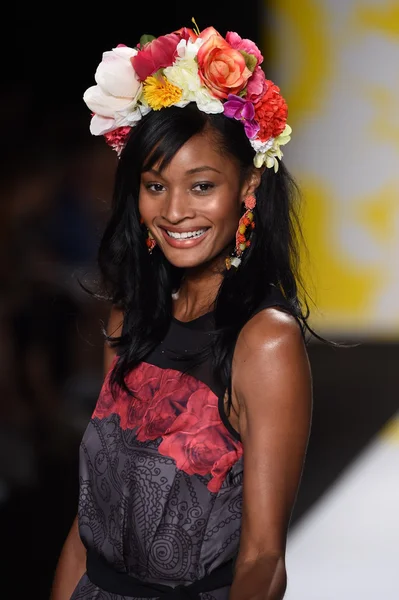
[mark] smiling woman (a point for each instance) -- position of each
(194, 203)
(192, 459)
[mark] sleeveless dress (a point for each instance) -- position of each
(161, 472)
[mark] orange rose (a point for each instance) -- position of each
(221, 68)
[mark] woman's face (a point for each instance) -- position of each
(193, 206)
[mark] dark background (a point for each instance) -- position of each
(56, 183)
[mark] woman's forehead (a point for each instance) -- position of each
(199, 152)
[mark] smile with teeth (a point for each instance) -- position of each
(186, 234)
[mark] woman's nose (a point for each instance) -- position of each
(177, 207)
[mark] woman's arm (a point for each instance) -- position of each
(71, 565)
(273, 389)
(72, 561)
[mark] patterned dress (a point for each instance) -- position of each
(161, 475)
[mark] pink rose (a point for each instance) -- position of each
(155, 55)
(256, 85)
(221, 68)
(248, 46)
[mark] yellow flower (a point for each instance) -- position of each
(159, 92)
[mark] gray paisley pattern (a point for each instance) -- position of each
(137, 509)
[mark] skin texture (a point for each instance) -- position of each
(272, 395)
(271, 378)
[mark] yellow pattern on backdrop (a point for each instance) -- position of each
(312, 43)
(327, 273)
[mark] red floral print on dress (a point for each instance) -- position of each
(130, 408)
(181, 410)
(166, 404)
(199, 442)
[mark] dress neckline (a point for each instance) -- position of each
(194, 323)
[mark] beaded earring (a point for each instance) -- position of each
(150, 242)
(245, 227)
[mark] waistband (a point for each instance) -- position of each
(106, 578)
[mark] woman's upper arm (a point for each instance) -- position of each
(114, 329)
(273, 387)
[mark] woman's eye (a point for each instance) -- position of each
(203, 187)
(154, 187)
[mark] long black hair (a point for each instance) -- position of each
(141, 284)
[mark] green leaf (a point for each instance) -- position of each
(250, 60)
(145, 38)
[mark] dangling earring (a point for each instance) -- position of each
(245, 227)
(150, 242)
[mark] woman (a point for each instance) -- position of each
(192, 460)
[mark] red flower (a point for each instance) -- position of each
(155, 55)
(165, 404)
(142, 381)
(117, 138)
(271, 113)
(180, 409)
(199, 442)
(130, 410)
(185, 33)
(222, 466)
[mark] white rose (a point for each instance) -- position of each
(114, 99)
(184, 74)
(188, 49)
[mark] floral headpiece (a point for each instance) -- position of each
(220, 74)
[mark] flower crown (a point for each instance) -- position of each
(220, 74)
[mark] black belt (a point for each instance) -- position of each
(105, 577)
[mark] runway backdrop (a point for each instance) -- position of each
(336, 62)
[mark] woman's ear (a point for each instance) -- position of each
(253, 181)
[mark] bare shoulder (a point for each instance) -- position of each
(269, 330)
(270, 355)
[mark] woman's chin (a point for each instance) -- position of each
(206, 261)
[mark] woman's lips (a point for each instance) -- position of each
(184, 242)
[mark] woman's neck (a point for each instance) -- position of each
(197, 293)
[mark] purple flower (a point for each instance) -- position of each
(242, 110)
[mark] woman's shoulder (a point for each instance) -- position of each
(272, 323)
(270, 350)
